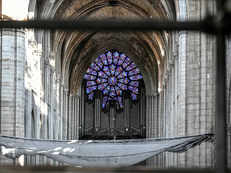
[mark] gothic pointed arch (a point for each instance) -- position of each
(114, 98)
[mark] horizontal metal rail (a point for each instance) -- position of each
(49, 169)
(111, 25)
(117, 25)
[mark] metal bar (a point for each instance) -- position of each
(50, 169)
(0, 9)
(110, 25)
(221, 144)
(221, 5)
(0, 65)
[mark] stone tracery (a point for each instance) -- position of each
(113, 73)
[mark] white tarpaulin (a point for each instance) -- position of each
(100, 153)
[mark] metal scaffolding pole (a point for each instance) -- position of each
(107, 25)
(221, 143)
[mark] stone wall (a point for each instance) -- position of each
(50, 111)
(12, 82)
(12, 63)
(190, 89)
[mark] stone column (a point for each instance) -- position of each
(65, 113)
(97, 113)
(81, 114)
(61, 105)
(112, 121)
(28, 119)
(28, 113)
(73, 117)
(143, 112)
(12, 82)
(78, 105)
(58, 108)
(152, 124)
(126, 115)
(152, 116)
(70, 117)
(161, 122)
(76, 117)
(73, 123)
(181, 83)
(12, 90)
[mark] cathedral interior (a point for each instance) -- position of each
(102, 85)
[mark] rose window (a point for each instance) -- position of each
(112, 73)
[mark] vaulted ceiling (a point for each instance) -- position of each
(78, 49)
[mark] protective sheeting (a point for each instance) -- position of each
(106, 153)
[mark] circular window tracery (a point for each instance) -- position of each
(112, 73)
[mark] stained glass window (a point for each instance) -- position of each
(112, 73)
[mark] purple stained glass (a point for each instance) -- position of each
(99, 62)
(92, 72)
(115, 57)
(95, 66)
(133, 89)
(112, 69)
(118, 70)
(106, 70)
(122, 75)
(90, 89)
(112, 93)
(102, 86)
(109, 57)
(89, 77)
(104, 59)
(105, 91)
(134, 96)
(109, 74)
(119, 99)
(124, 80)
(123, 86)
(108, 88)
(91, 96)
(122, 56)
(112, 81)
(118, 91)
(136, 77)
(133, 72)
(126, 62)
(131, 66)
(105, 100)
(121, 59)
(101, 80)
(90, 83)
(102, 74)
(134, 83)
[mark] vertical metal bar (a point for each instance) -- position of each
(1, 42)
(220, 5)
(221, 158)
(221, 144)
(0, 65)
(0, 9)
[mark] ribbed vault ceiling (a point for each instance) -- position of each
(79, 49)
